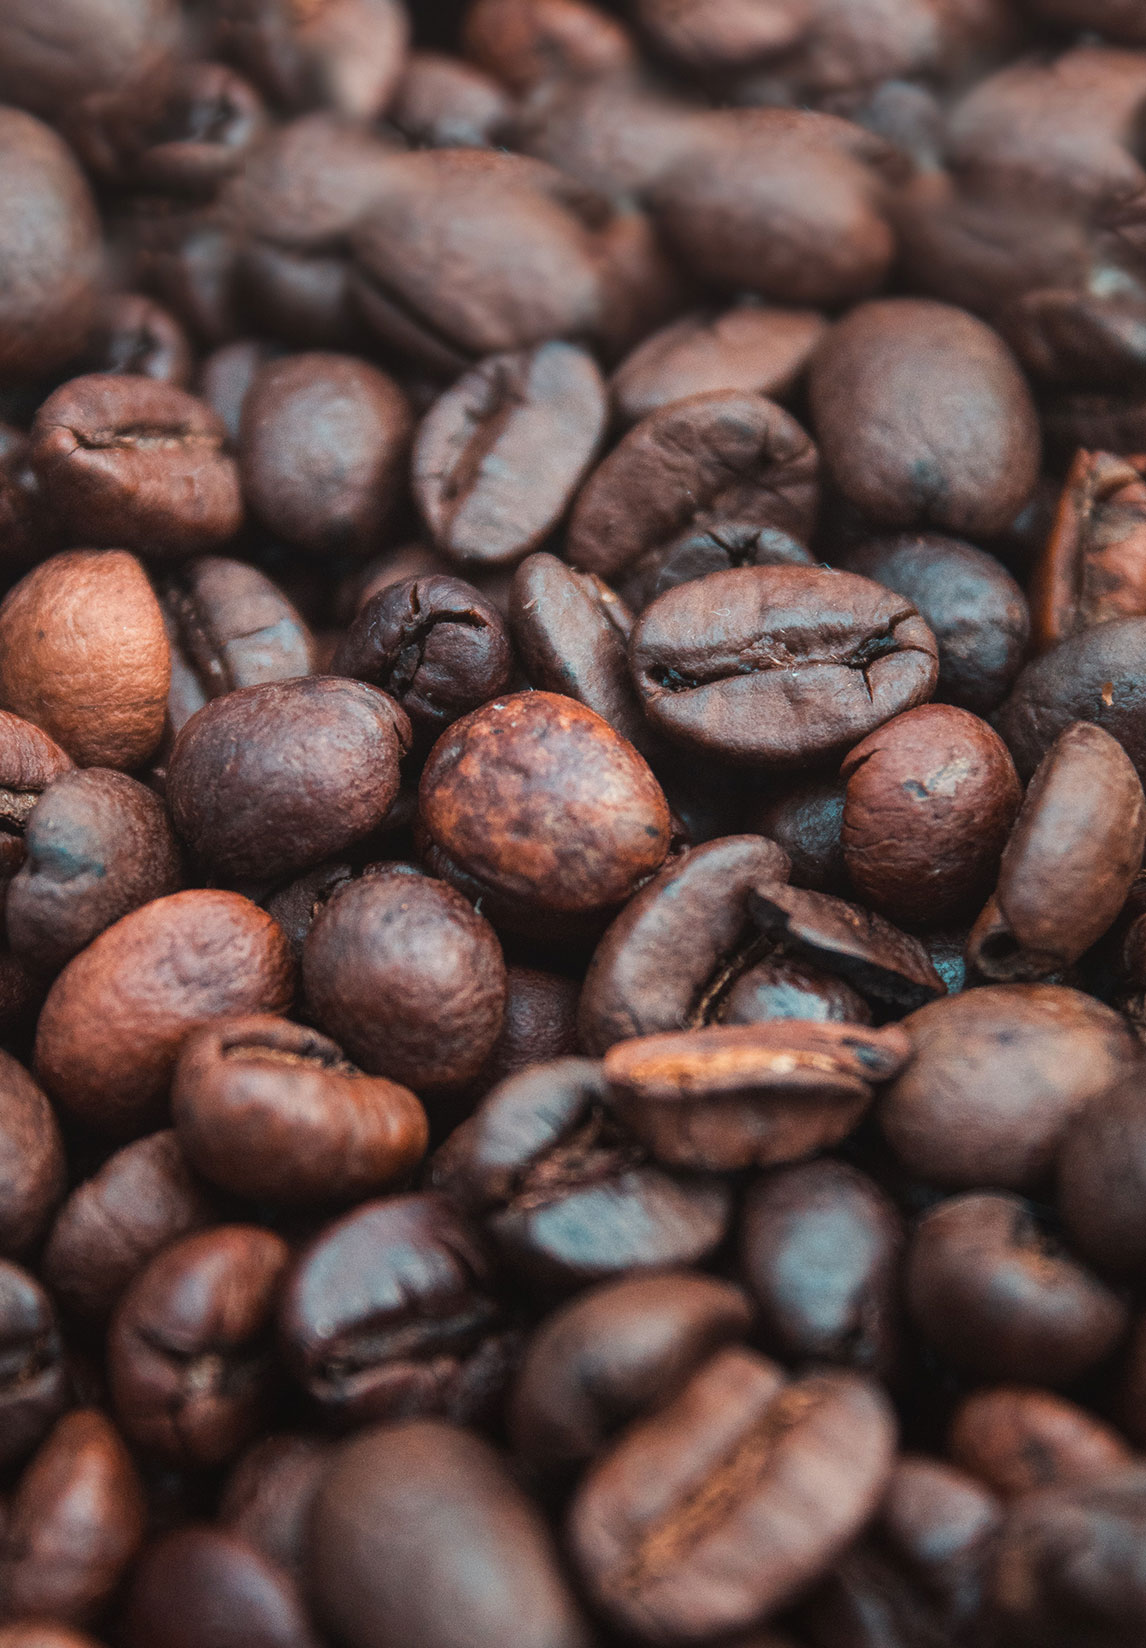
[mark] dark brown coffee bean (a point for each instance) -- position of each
(751, 348)
(781, 988)
(111, 1027)
(715, 548)
(133, 334)
(436, 645)
(540, 1023)
(142, 1199)
(269, 1495)
(924, 418)
(526, 42)
(998, 1074)
(441, 103)
(407, 976)
(422, 1539)
(75, 1524)
(203, 1587)
(98, 845)
(750, 1095)
(32, 1165)
(567, 1194)
(500, 456)
(322, 450)
(971, 604)
(821, 1249)
(1101, 1172)
(1070, 861)
(779, 665)
(804, 816)
(929, 803)
(138, 464)
(33, 1379)
(83, 655)
(344, 55)
(511, 801)
(612, 1354)
(189, 1344)
(875, 958)
(1090, 570)
(1017, 1439)
(26, 530)
(1120, 19)
(999, 1298)
(677, 1531)
(669, 958)
(392, 1313)
(225, 380)
(210, 121)
(272, 1111)
(269, 780)
(50, 233)
(713, 458)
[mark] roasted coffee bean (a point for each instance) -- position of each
(540, 1023)
(98, 63)
(322, 448)
(1092, 568)
(525, 42)
(138, 464)
(50, 233)
(781, 988)
(32, 1164)
(929, 803)
(567, 1194)
(133, 334)
(722, 457)
(751, 348)
(805, 817)
(820, 1250)
(611, 1355)
(1017, 1439)
(1070, 861)
(74, 1526)
(34, 1385)
(421, 1537)
(229, 626)
(1101, 1169)
(269, 780)
(997, 1076)
(344, 55)
(1120, 19)
(500, 456)
(511, 802)
(142, 1199)
(189, 1348)
(98, 845)
(781, 665)
(436, 645)
(201, 1585)
(675, 1532)
(210, 120)
(997, 1297)
(40, 1634)
(751, 1095)
(269, 1494)
(225, 380)
(875, 958)
(441, 103)
(392, 1313)
(407, 976)
(25, 530)
(111, 1027)
(924, 418)
(29, 762)
(972, 605)
(716, 548)
(272, 1111)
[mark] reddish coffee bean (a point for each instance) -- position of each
(407, 976)
(142, 1199)
(189, 1347)
(717, 548)
(135, 463)
(525, 42)
(208, 126)
(1017, 1439)
(110, 1030)
(200, 1585)
(269, 1495)
(540, 1023)
(38, 1634)
(781, 988)
(441, 103)
(500, 456)
(32, 1165)
(34, 1385)
(1089, 571)
(272, 1111)
(134, 334)
(29, 761)
(344, 55)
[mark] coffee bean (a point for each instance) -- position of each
(202, 1584)
(805, 817)
(715, 548)
(269, 1494)
(34, 1385)
(1100, 1166)
(1017, 1440)
(1088, 571)
(29, 761)
(441, 103)
(32, 1180)
(523, 43)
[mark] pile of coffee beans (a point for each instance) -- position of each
(572, 739)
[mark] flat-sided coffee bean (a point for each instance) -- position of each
(925, 418)
(568, 1195)
(931, 797)
(32, 1165)
(98, 845)
(709, 1516)
(1016, 1439)
(344, 55)
(34, 1385)
(272, 1111)
(614, 1353)
(725, 456)
(1102, 1174)
(1070, 861)
(774, 666)
(422, 1539)
(391, 1313)
(1000, 1299)
(500, 456)
(672, 954)
(137, 464)
(1091, 569)
(998, 1074)
(749, 1095)
(878, 960)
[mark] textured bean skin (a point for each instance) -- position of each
(32, 1177)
